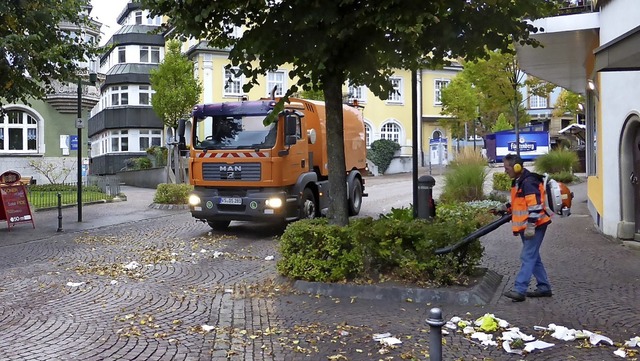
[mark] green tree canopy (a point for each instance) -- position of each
(33, 50)
(331, 41)
(176, 90)
(567, 103)
(493, 86)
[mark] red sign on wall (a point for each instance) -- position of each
(14, 205)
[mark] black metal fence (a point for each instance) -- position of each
(96, 189)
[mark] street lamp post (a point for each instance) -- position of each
(79, 126)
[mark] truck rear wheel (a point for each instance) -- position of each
(355, 197)
(308, 209)
(218, 225)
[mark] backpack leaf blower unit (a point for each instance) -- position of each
(506, 218)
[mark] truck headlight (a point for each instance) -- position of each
(274, 202)
(194, 200)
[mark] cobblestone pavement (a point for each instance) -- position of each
(69, 296)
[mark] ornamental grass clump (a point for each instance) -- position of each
(464, 178)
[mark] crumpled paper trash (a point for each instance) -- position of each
(536, 345)
(484, 338)
(633, 342)
(514, 333)
(386, 339)
(620, 352)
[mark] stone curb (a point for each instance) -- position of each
(480, 294)
(171, 207)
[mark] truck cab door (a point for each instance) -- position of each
(296, 161)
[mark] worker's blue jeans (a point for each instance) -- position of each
(531, 264)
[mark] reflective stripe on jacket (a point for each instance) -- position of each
(527, 205)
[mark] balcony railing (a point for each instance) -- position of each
(569, 7)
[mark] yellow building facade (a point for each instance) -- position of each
(391, 118)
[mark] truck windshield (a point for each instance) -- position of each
(237, 132)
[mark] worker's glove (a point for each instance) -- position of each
(530, 231)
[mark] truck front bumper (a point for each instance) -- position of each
(212, 204)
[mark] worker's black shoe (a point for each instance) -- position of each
(538, 293)
(514, 296)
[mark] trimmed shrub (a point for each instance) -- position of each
(381, 153)
(394, 246)
(313, 250)
(167, 193)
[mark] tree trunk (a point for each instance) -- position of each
(338, 211)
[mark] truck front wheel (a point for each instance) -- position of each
(355, 198)
(218, 225)
(308, 209)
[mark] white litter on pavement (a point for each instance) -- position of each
(75, 284)
(515, 334)
(620, 352)
(269, 258)
(484, 338)
(207, 328)
(132, 265)
(113, 282)
(633, 342)
(386, 339)
(537, 345)
(217, 254)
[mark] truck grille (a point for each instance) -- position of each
(231, 172)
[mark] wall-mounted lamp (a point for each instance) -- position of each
(591, 85)
(581, 107)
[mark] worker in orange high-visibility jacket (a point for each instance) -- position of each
(529, 220)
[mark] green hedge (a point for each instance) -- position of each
(394, 245)
(172, 193)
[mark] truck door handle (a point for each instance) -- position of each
(303, 163)
(633, 179)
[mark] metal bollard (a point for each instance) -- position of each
(426, 210)
(60, 213)
(435, 322)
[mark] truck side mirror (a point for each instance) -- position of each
(290, 129)
(290, 125)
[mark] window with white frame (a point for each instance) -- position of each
(119, 141)
(138, 16)
(119, 95)
(156, 20)
(144, 95)
(396, 96)
(537, 102)
(149, 138)
(150, 54)
(437, 90)
(358, 92)
(232, 83)
(18, 132)
(390, 131)
(122, 55)
(275, 79)
(367, 135)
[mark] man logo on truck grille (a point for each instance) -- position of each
(229, 171)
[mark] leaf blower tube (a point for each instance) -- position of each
(476, 234)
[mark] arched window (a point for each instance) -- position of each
(367, 134)
(390, 131)
(436, 135)
(18, 132)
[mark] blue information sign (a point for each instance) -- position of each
(73, 140)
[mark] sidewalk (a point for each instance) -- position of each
(135, 208)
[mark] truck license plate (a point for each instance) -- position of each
(233, 200)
